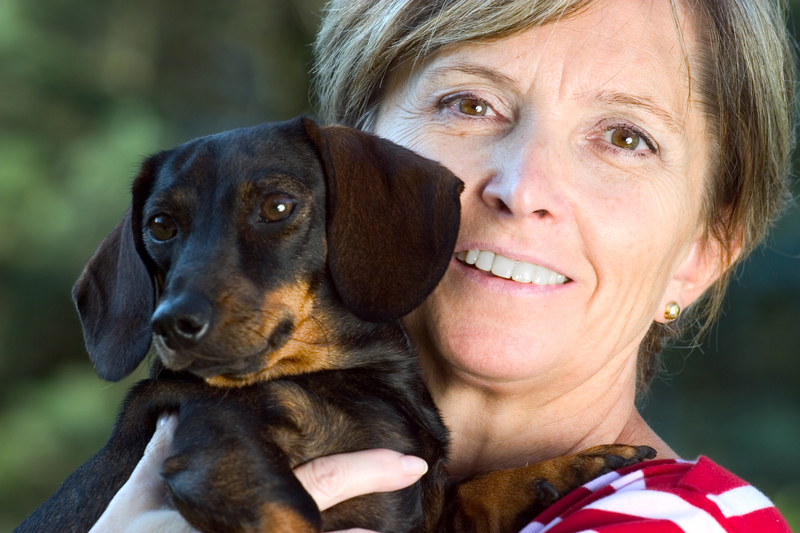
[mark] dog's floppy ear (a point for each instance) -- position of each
(393, 219)
(115, 295)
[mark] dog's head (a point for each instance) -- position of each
(232, 239)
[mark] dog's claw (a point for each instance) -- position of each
(638, 454)
(546, 492)
(615, 457)
(615, 462)
(646, 452)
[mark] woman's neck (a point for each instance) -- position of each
(503, 425)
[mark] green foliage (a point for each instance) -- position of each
(55, 425)
(89, 88)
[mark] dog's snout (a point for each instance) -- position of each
(182, 321)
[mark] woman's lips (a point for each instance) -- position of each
(503, 267)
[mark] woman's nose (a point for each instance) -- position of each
(526, 180)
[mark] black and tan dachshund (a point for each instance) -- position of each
(269, 267)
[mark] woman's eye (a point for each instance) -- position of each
(162, 227)
(627, 139)
(276, 207)
(470, 106)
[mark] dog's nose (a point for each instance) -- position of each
(182, 321)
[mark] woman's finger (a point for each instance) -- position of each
(145, 490)
(141, 504)
(336, 478)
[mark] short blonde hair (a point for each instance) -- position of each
(360, 42)
(743, 75)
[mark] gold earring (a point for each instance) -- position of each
(672, 311)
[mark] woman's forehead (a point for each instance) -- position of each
(623, 53)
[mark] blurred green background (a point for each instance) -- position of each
(89, 87)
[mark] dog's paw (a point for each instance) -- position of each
(499, 502)
(217, 494)
(603, 459)
(570, 472)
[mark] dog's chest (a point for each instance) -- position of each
(314, 423)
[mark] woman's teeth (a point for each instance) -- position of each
(504, 267)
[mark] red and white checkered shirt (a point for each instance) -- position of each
(665, 496)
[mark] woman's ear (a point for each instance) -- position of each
(706, 261)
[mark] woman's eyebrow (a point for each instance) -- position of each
(470, 69)
(640, 102)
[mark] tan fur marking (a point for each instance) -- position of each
(306, 351)
(183, 196)
(277, 517)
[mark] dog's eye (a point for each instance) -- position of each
(276, 207)
(162, 227)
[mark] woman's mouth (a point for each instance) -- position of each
(503, 267)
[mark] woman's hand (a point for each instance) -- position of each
(333, 479)
(142, 506)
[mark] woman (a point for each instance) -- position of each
(620, 156)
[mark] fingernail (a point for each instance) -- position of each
(413, 466)
(162, 420)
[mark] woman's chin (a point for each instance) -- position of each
(483, 344)
(489, 328)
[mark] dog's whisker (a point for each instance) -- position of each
(324, 332)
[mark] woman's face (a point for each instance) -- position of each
(584, 160)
